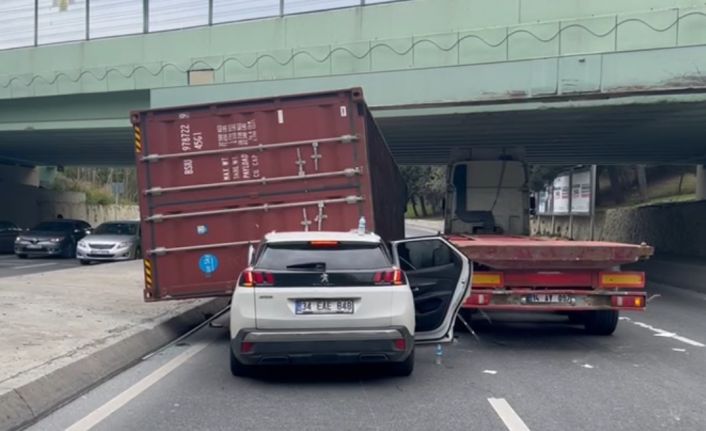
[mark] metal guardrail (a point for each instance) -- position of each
(26, 23)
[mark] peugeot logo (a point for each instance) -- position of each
(324, 278)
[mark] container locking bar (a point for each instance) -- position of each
(350, 172)
(261, 147)
(266, 207)
(160, 251)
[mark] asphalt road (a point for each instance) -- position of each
(537, 371)
(11, 265)
(520, 373)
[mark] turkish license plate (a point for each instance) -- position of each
(554, 298)
(34, 247)
(102, 252)
(324, 306)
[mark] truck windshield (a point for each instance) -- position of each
(305, 257)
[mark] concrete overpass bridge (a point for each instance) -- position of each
(567, 82)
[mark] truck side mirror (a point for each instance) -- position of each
(533, 205)
(251, 254)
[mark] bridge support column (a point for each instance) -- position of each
(19, 175)
(700, 182)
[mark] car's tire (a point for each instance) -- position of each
(22, 256)
(137, 254)
(85, 262)
(602, 322)
(237, 368)
(404, 368)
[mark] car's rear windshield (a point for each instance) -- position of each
(116, 229)
(338, 257)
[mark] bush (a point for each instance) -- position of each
(98, 197)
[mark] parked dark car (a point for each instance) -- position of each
(8, 233)
(52, 238)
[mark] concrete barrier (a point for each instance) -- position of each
(673, 228)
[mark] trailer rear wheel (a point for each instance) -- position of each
(602, 322)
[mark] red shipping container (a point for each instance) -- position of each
(216, 178)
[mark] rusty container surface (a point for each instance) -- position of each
(536, 253)
(216, 178)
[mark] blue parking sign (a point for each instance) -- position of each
(208, 264)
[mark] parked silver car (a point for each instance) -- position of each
(111, 241)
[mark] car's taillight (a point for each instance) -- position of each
(394, 277)
(400, 344)
(256, 278)
(246, 347)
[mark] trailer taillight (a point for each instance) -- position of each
(393, 277)
(478, 299)
(255, 278)
(626, 280)
(628, 301)
(488, 279)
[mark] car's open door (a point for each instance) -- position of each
(439, 276)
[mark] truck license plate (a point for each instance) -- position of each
(554, 298)
(324, 306)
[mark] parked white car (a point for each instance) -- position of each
(333, 297)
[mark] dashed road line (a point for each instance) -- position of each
(664, 333)
(507, 414)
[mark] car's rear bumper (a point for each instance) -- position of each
(336, 346)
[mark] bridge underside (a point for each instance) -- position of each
(638, 129)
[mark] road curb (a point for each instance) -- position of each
(21, 406)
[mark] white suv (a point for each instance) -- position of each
(333, 297)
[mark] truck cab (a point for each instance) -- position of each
(487, 197)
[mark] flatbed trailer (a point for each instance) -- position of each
(534, 274)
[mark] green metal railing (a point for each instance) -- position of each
(25, 23)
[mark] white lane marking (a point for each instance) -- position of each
(95, 417)
(666, 334)
(490, 372)
(35, 265)
(510, 418)
(589, 366)
(676, 349)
